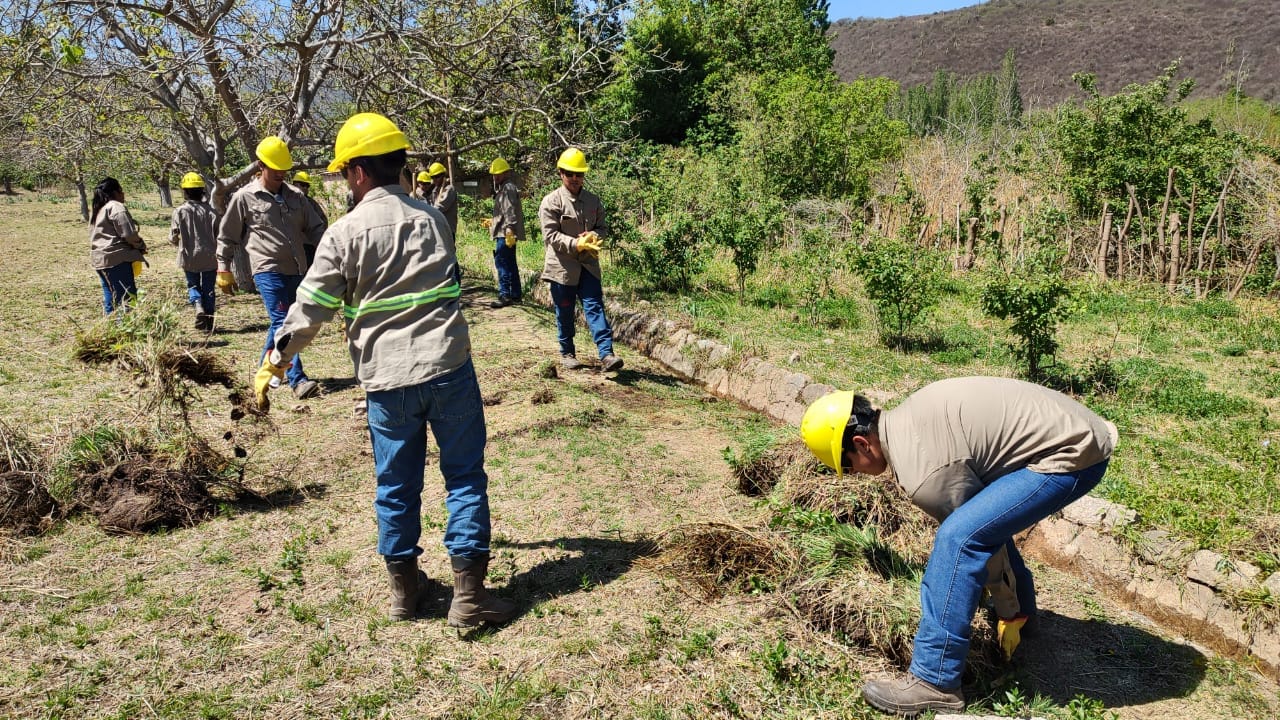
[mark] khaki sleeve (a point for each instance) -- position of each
(447, 200)
(315, 223)
(549, 219)
(230, 233)
(127, 228)
(175, 232)
(320, 294)
(512, 213)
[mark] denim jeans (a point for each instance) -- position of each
(504, 259)
(589, 292)
(117, 287)
(398, 421)
(957, 567)
(200, 289)
(279, 291)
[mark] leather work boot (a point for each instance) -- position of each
(502, 302)
(910, 696)
(408, 584)
(204, 322)
(570, 362)
(472, 603)
(610, 362)
(306, 389)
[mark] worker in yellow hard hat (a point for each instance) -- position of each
(194, 231)
(987, 458)
(412, 353)
(442, 194)
(115, 247)
(422, 186)
(273, 221)
(302, 180)
(573, 229)
(506, 228)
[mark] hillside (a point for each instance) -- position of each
(1121, 41)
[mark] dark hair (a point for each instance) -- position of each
(193, 194)
(863, 421)
(384, 169)
(103, 193)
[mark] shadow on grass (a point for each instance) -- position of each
(584, 564)
(632, 378)
(255, 327)
(285, 497)
(1113, 663)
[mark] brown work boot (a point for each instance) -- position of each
(472, 603)
(568, 361)
(910, 696)
(408, 587)
(204, 322)
(610, 362)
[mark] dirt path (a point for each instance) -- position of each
(278, 611)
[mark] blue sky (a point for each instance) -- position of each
(884, 8)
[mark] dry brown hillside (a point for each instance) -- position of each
(1121, 41)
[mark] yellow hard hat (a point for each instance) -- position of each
(423, 177)
(572, 160)
(274, 153)
(498, 167)
(366, 135)
(823, 427)
(301, 177)
(192, 180)
(437, 169)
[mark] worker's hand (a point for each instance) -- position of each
(226, 282)
(1009, 633)
(588, 244)
(510, 238)
(262, 380)
(486, 223)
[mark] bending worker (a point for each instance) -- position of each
(573, 227)
(274, 222)
(412, 354)
(988, 458)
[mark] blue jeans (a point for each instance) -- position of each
(279, 291)
(589, 292)
(504, 259)
(957, 567)
(200, 289)
(398, 421)
(117, 287)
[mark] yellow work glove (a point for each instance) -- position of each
(262, 380)
(1009, 632)
(137, 268)
(588, 244)
(510, 237)
(486, 223)
(226, 282)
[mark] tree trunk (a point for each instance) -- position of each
(1175, 249)
(84, 200)
(970, 242)
(8, 186)
(1120, 245)
(1162, 253)
(1104, 243)
(1249, 265)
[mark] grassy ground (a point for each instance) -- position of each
(277, 610)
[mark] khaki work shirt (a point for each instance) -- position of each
(193, 230)
(324, 220)
(507, 212)
(388, 267)
(114, 238)
(952, 438)
(445, 198)
(563, 218)
(272, 231)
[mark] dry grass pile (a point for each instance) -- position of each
(135, 481)
(757, 471)
(862, 501)
(25, 505)
(717, 558)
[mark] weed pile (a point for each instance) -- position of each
(760, 464)
(137, 481)
(715, 558)
(25, 505)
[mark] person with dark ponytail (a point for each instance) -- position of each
(115, 247)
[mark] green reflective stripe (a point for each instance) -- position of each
(320, 297)
(402, 302)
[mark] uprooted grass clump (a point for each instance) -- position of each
(136, 480)
(25, 505)
(716, 558)
(759, 463)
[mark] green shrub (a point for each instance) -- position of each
(1035, 298)
(904, 283)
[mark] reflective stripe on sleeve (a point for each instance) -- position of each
(319, 296)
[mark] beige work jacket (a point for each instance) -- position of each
(507, 212)
(193, 231)
(445, 198)
(272, 230)
(563, 218)
(388, 267)
(952, 438)
(113, 237)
